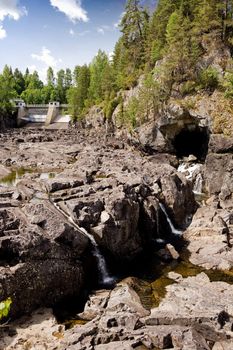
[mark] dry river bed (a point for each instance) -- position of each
(114, 192)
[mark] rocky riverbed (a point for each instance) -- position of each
(79, 209)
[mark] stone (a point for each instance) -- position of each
(37, 331)
(207, 245)
(174, 254)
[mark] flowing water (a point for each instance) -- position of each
(189, 170)
(198, 185)
(172, 227)
(105, 279)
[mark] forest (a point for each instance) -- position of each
(163, 46)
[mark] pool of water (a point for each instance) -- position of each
(185, 269)
(13, 178)
(16, 175)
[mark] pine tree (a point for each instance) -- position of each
(77, 96)
(68, 78)
(99, 69)
(157, 29)
(19, 82)
(50, 77)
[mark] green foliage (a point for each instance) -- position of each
(110, 105)
(228, 84)
(188, 87)
(5, 308)
(50, 77)
(175, 34)
(7, 90)
(150, 101)
(130, 113)
(130, 50)
(77, 96)
(208, 79)
(100, 77)
(19, 82)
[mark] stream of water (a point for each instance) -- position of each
(105, 279)
(172, 227)
(198, 185)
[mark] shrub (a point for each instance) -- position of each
(188, 87)
(228, 84)
(132, 111)
(208, 78)
(110, 107)
(5, 308)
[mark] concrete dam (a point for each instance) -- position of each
(52, 115)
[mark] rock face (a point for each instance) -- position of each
(209, 240)
(104, 186)
(119, 195)
(39, 255)
(195, 314)
(208, 245)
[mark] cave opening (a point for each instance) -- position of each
(192, 140)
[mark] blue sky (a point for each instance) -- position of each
(57, 33)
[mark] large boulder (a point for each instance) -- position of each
(208, 244)
(40, 256)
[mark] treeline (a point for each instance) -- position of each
(172, 35)
(31, 89)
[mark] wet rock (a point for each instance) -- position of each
(43, 253)
(177, 193)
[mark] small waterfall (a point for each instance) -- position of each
(158, 240)
(105, 279)
(189, 170)
(198, 185)
(173, 229)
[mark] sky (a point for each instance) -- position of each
(57, 33)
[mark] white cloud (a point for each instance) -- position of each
(104, 28)
(2, 32)
(46, 57)
(100, 30)
(71, 32)
(11, 8)
(72, 9)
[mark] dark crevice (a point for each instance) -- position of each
(193, 141)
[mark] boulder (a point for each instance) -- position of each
(194, 314)
(207, 243)
(40, 254)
